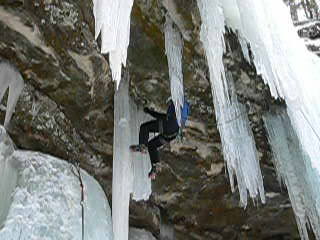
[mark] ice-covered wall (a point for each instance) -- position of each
(130, 170)
(294, 168)
(45, 203)
(236, 135)
(112, 20)
(12, 79)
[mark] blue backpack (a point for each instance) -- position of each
(185, 111)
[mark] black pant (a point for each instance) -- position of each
(156, 142)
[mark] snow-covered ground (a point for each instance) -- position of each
(41, 198)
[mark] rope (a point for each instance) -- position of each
(232, 119)
(78, 175)
(314, 131)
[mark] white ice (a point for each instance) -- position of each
(12, 79)
(236, 135)
(40, 198)
(112, 20)
(130, 170)
(294, 168)
(174, 47)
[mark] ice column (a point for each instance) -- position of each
(174, 46)
(290, 70)
(122, 169)
(112, 20)
(294, 168)
(236, 135)
(130, 170)
(12, 79)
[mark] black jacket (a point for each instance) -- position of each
(168, 120)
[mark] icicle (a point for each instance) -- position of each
(174, 44)
(12, 79)
(236, 136)
(294, 167)
(130, 170)
(112, 20)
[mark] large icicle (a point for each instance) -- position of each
(291, 71)
(236, 135)
(174, 44)
(294, 167)
(130, 170)
(112, 20)
(12, 79)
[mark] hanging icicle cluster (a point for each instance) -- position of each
(112, 20)
(236, 135)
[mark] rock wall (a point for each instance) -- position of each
(66, 109)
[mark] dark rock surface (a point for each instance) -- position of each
(66, 109)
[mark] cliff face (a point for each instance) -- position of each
(66, 109)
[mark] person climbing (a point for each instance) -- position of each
(167, 127)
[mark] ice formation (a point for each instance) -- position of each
(40, 198)
(291, 71)
(112, 20)
(130, 170)
(236, 135)
(174, 45)
(294, 168)
(12, 79)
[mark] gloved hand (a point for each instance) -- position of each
(146, 109)
(153, 173)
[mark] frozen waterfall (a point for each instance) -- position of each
(174, 47)
(12, 79)
(295, 169)
(40, 198)
(130, 170)
(112, 20)
(236, 135)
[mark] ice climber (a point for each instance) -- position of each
(167, 127)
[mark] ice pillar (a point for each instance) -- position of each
(130, 170)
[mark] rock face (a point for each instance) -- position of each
(66, 109)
